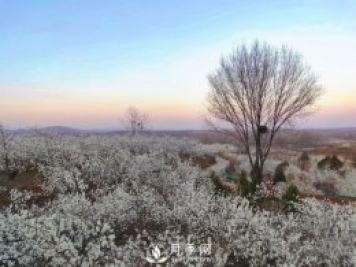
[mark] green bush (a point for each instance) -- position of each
(219, 188)
(291, 195)
(324, 163)
(330, 162)
(335, 163)
(279, 175)
(244, 184)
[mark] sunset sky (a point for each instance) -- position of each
(83, 63)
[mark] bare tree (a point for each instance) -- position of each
(135, 120)
(254, 92)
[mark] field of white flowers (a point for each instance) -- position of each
(106, 199)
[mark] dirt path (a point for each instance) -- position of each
(219, 165)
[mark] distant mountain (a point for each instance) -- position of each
(332, 130)
(20, 131)
(49, 130)
(61, 130)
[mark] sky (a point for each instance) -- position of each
(84, 63)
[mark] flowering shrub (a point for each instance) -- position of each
(145, 194)
(348, 185)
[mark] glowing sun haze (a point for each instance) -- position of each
(83, 63)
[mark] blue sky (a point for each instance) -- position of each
(83, 63)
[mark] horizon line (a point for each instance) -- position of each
(149, 129)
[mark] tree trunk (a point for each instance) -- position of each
(257, 171)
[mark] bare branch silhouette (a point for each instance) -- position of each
(256, 91)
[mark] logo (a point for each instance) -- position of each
(192, 253)
(154, 255)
